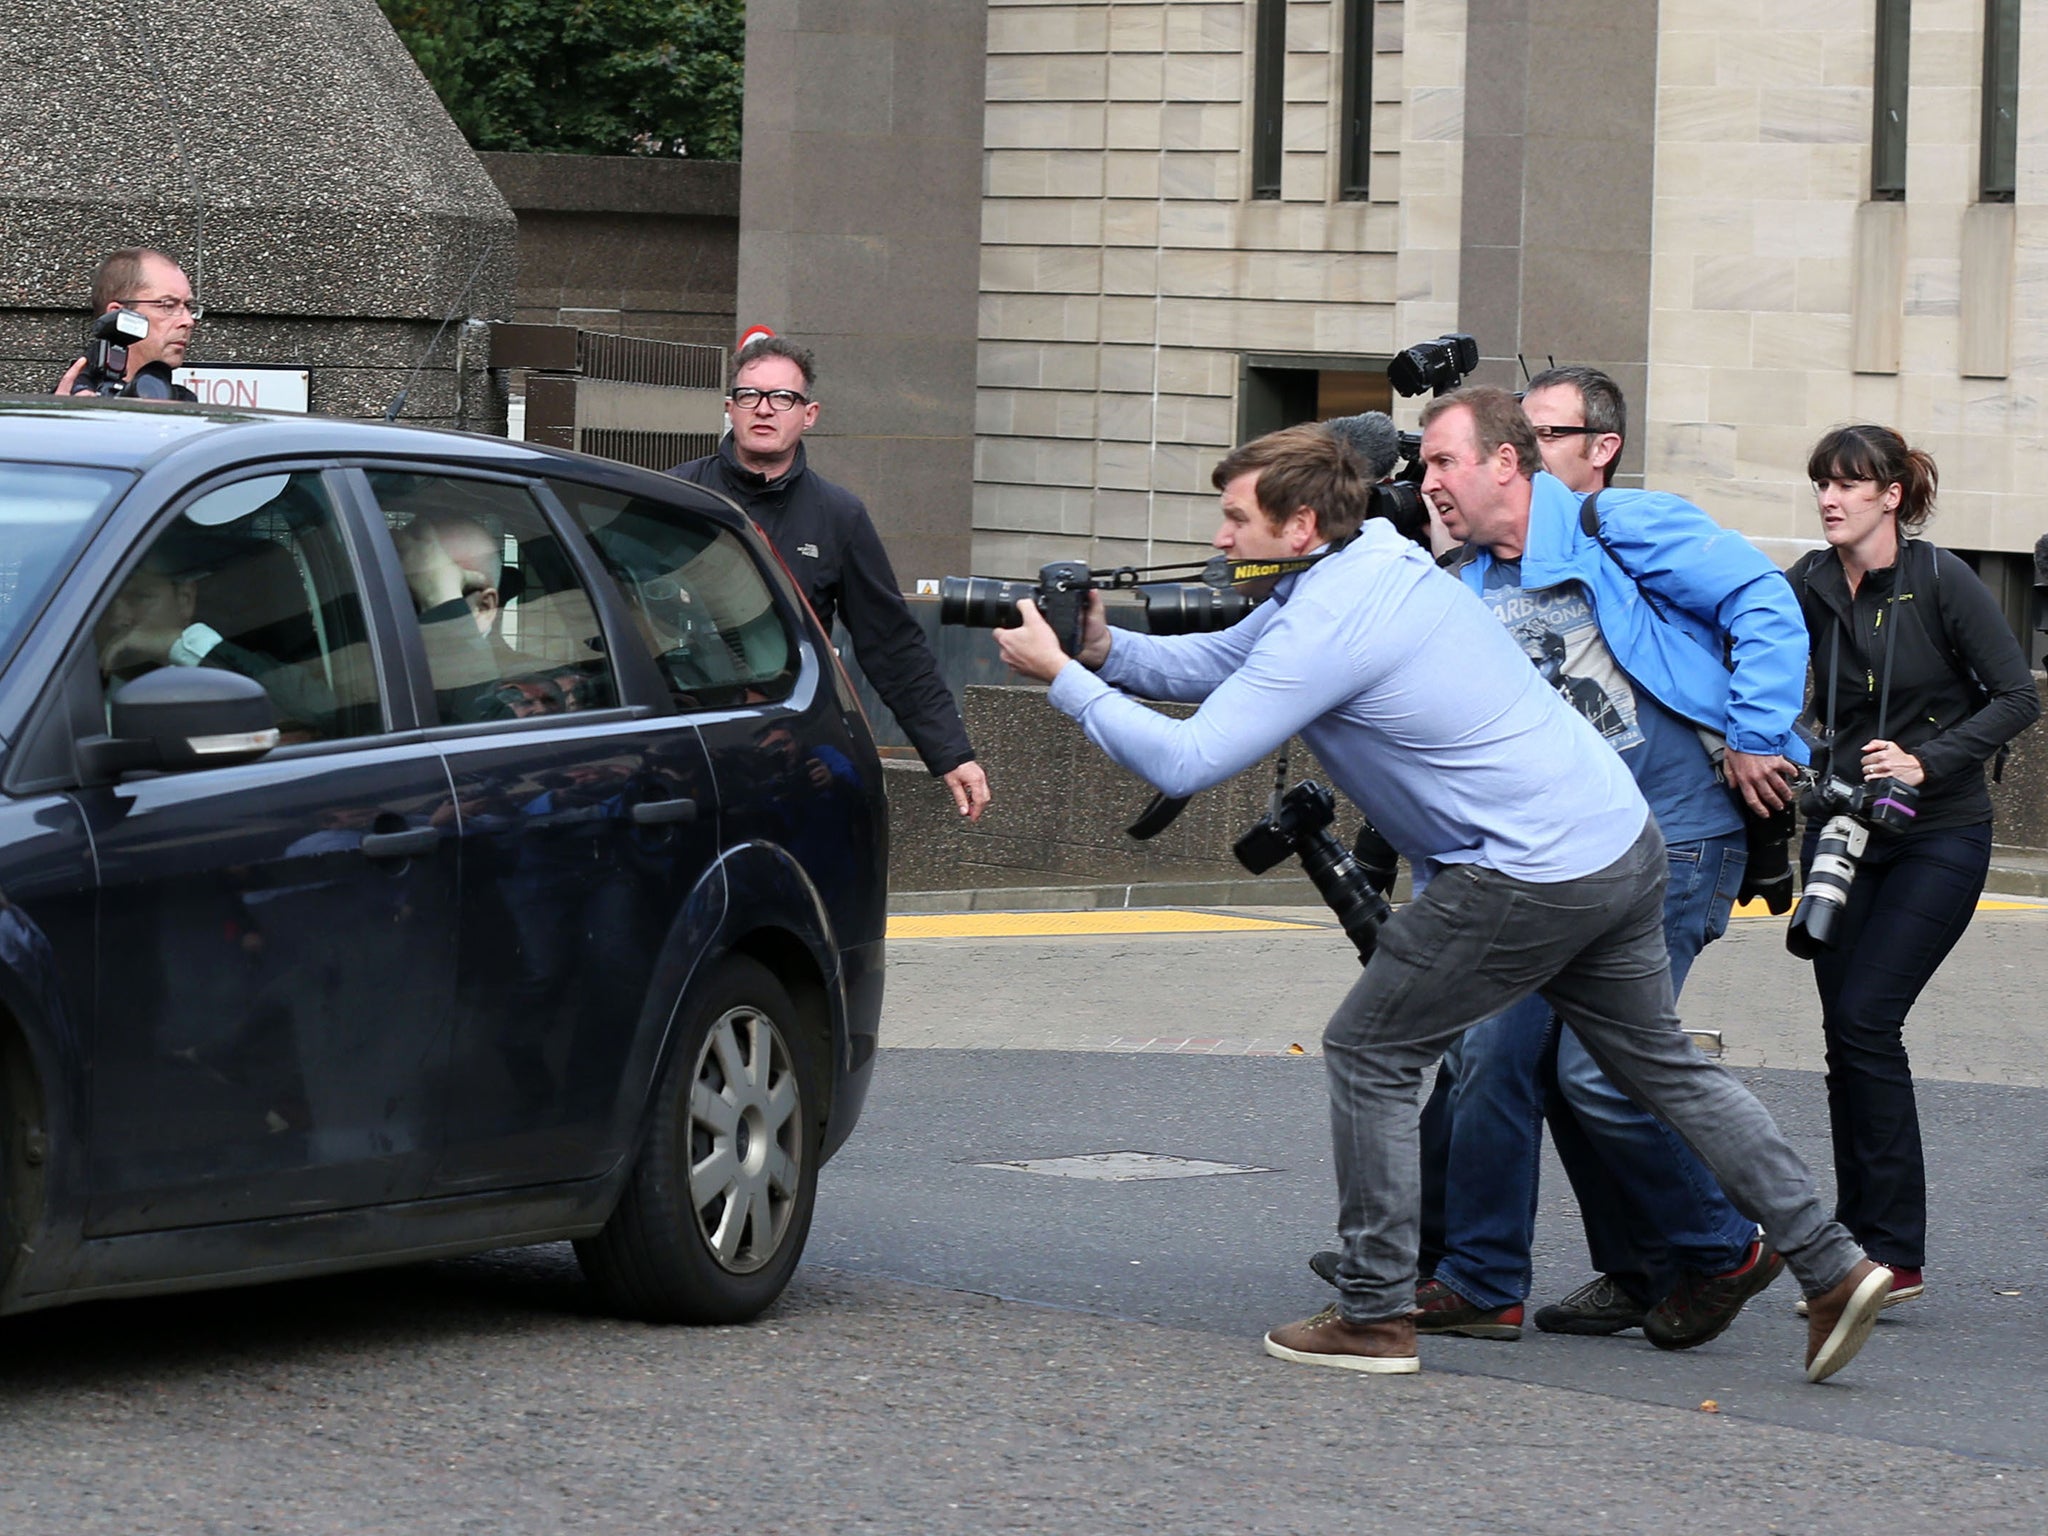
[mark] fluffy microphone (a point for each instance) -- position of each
(1373, 437)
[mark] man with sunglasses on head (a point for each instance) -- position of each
(826, 538)
(155, 287)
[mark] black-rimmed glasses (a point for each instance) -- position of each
(778, 399)
(1552, 434)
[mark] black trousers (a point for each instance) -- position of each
(1911, 900)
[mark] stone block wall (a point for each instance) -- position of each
(1785, 301)
(1126, 269)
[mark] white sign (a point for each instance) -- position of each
(249, 386)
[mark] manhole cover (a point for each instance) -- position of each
(1125, 1167)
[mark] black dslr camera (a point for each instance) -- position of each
(1062, 588)
(1299, 824)
(106, 352)
(1854, 811)
(1438, 366)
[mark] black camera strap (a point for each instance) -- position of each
(1279, 786)
(1884, 687)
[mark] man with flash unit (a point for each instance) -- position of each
(1541, 868)
(156, 288)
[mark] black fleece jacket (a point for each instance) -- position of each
(1947, 630)
(826, 538)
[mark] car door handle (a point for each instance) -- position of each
(400, 845)
(654, 813)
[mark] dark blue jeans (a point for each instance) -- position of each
(1650, 1207)
(1911, 900)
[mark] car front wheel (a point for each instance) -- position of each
(715, 1213)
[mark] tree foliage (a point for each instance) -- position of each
(594, 77)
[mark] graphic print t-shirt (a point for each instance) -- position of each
(1554, 626)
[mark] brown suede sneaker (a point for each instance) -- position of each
(1384, 1349)
(1838, 1321)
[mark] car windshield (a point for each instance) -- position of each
(46, 510)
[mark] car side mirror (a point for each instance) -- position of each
(181, 717)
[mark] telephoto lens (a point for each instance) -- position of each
(1344, 889)
(1828, 879)
(1191, 608)
(1768, 875)
(982, 602)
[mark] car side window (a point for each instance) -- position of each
(703, 608)
(510, 632)
(252, 577)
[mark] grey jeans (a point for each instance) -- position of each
(1477, 941)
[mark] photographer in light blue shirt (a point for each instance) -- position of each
(1544, 869)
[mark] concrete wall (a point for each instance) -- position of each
(1060, 809)
(289, 155)
(1559, 127)
(628, 244)
(859, 213)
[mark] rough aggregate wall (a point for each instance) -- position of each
(337, 214)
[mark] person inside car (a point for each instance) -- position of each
(455, 568)
(150, 624)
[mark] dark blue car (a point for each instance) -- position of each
(412, 844)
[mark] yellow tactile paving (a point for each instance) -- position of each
(1041, 925)
(1987, 904)
(1036, 925)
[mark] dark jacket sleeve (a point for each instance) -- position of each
(892, 650)
(1978, 631)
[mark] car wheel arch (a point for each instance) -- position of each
(791, 962)
(24, 1151)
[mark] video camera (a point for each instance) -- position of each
(1299, 823)
(106, 352)
(1438, 366)
(1854, 812)
(1210, 602)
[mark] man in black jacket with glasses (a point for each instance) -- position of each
(155, 287)
(829, 543)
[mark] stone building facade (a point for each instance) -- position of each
(1788, 295)
(1682, 193)
(1142, 302)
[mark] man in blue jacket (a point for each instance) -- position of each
(1682, 644)
(1539, 864)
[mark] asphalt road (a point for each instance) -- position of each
(979, 1348)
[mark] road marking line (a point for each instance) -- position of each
(1032, 925)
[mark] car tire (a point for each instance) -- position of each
(717, 1207)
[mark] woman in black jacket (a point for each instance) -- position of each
(1918, 678)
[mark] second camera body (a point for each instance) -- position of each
(1854, 811)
